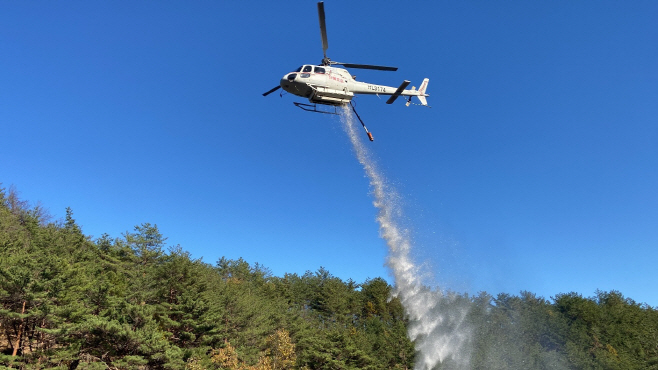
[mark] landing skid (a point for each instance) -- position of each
(314, 108)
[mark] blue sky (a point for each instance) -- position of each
(535, 169)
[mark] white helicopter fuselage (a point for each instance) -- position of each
(325, 84)
(336, 86)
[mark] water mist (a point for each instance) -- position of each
(436, 319)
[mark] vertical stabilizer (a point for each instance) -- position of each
(421, 91)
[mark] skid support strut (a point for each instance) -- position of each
(362, 124)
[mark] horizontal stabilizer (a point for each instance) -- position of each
(397, 92)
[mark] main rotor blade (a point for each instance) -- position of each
(367, 66)
(323, 28)
(271, 91)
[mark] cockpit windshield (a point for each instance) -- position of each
(310, 69)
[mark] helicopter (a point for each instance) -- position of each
(327, 85)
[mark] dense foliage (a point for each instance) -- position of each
(69, 302)
(606, 331)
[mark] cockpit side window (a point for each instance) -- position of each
(319, 70)
(308, 69)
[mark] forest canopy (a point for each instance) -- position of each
(133, 302)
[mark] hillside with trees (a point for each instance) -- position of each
(132, 302)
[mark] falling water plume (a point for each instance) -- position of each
(437, 322)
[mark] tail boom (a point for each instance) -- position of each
(358, 87)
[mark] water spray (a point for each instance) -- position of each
(437, 322)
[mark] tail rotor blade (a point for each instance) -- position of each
(323, 28)
(271, 91)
